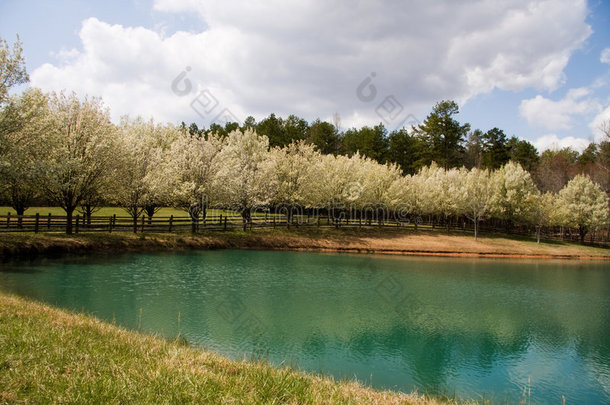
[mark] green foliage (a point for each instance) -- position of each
(325, 137)
(370, 142)
(271, 127)
(282, 132)
(589, 155)
(405, 150)
(443, 135)
(496, 150)
(523, 152)
(473, 156)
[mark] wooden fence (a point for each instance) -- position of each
(114, 223)
(57, 223)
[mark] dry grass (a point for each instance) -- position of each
(48, 355)
(366, 240)
(426, 242)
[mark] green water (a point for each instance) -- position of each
(467, 327)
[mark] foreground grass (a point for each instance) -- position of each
(366, 240)
(48, 355)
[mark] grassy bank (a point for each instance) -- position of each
(78, 359)
(367, 240)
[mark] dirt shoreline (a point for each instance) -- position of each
(437, 253)
(340, 241)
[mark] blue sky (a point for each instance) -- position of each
(532, 68)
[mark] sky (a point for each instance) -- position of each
(539, 70)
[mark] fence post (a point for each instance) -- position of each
(36, 223)
(225, 222)
(143, 221)
(274, 220)
(8, 220)
(77, 223)
(220, 220)
(113, 220)
(49, 221)
(171, 222)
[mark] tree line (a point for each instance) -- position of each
(65, 150)
(439, 138)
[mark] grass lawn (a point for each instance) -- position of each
(120, 212)
(108, 211)
(48, 356)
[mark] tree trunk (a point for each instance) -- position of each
(193, 224)
(20, 210)
(69, 214)
(476, 229)
(150, 212)
(582, 230)
(194, 211)
(538, 228)
(88, 213)
(246, 218)
(135, 223)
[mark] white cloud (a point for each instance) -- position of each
(553, 142)
(556, 115)
(605, 56)
(309, 57)
(600, 123)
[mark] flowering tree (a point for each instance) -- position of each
(542, 212)
(513, 189)
(22, 146)
(439, 190)
(12, 68)
(586, 204)
(137, 188)
(338, 185)
(424, 185)
(448, 188)
(189, 168)
(377, 191)
(477, 196)
(81, 151)
(293, 169)
(246, 177)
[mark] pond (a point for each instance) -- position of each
(473, 328)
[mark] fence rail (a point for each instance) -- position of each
(57, 223)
